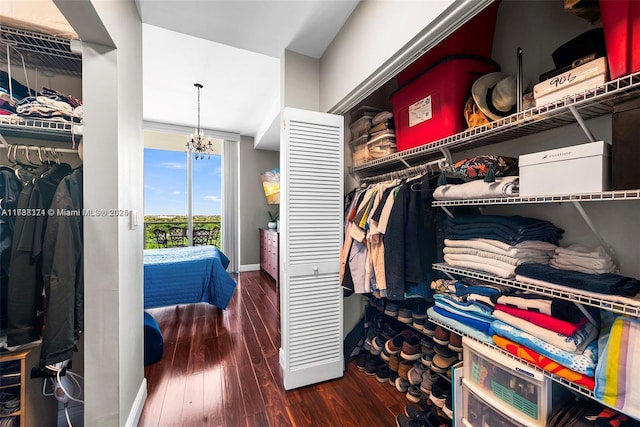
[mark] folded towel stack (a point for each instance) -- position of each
(496, 257)
(583, 259)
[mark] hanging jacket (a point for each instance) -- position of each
(10, 187)
(63, 275)
(24, 298)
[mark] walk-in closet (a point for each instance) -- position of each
(42, 232)
(502, 375)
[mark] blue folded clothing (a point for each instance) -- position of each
(480, 325)
(508, 229)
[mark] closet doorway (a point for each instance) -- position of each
(182, 194)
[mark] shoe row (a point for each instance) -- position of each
(423, 416)
(410, 312)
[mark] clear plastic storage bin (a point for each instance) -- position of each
(509, 386)
(478, 414)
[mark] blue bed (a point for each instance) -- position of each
(186, 275)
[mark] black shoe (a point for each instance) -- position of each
(404, 421)
(420, 414)
(362, 360)
(382, 373)
(447, 409)
(372, 365)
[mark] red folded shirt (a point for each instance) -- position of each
(544, 320)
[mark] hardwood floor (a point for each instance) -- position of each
(220, 368)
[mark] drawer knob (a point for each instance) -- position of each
(315, 268)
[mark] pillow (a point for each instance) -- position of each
(478, 167)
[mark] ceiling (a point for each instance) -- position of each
(232, 47)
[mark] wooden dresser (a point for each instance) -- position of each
(269, 257)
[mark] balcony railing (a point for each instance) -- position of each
(175, 234)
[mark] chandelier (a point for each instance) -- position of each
(197, 143)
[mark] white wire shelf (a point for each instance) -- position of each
(589, 103)
(573, 386)
(51, 130)
(41, 51)
(581, 197)
(570, 294)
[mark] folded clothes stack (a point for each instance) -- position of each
(583, 259)
(604, 283)
(507, 186)
(550, 333)
(465, 307)
(495, 257)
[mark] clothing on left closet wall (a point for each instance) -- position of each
(10, 187)
(63, 273)
(25, 277)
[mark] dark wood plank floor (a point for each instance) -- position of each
(220, 368)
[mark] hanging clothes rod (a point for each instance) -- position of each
(41, 149)
(436, 165)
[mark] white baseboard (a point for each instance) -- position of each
(249, 267)
(138, 404)
(281, 358)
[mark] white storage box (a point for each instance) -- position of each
(585, 77)
(506, 385)
(580, 168)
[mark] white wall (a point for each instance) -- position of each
(113, 158)
(253, 203)
(300, 76)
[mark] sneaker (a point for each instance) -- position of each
(404, 421)
(411, 348)
(402, 385)
(362, 360)
(455, 343)
(442, 349)
(377, 344)
(429, 328)
(426, 359)
(382, 373)
(418, 324)
(428, 378)
(441, 362)
(447, 409)
(388, 332)
(372, 365)
(393, 346)
(441, 335)
(404, 367)
(418, 413)
(436, 420)
(394, 362)
(439, 391)
(391, 309)
(415, 373)
(427, 345)
(393, 376)
(405, 315)
(414, 394)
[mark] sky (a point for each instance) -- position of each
(165, 183)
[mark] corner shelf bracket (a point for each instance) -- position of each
(581, 122)
(594, 230)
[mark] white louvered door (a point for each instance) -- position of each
(311, 198)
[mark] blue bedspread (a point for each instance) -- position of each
(186, 275)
